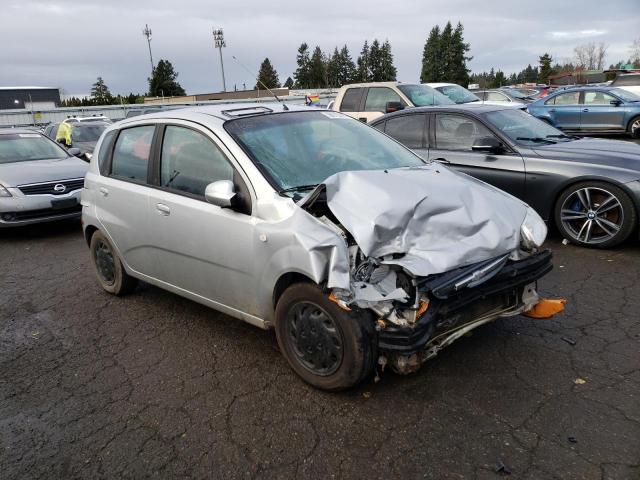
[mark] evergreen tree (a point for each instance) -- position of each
(545, 68)
(302, 72)
(375, 61)
(431, 67)
(100, 93)
(388, 71)
(445, 51)
(288, 83)
(268, 76)
(346, 71)
(458, 71)
(364, 71)
(163, 81)
(333, 65)
(499, 79)
(317, 70)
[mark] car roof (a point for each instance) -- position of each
(461, 108)
(587, 87)
(220, 113)
(441, 84)
(379, 84)
(9, 131)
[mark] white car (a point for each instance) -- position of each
(628, 81)
(461, 95)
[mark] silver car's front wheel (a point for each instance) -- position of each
(595, 214)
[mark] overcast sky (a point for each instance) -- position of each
(68, 43)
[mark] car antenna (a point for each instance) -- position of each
(284, 107)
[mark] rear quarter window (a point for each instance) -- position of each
(351, 100)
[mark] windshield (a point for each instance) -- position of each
(423, 95)
(625, 95)
(523, 128)
(23, 147)
(513, 93)
(87, 133)
(301, 149)
(458, 94)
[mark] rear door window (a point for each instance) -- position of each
(131, 153)
(351, 100)
(408, 130)
(597, 98)
(569, 98)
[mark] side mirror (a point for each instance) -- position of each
(393, 107)
(75, 152)
(616, 103)
(220, 193)
(487, 144)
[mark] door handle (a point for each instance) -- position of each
(103, 191)
(553, 110)
(363, 119)
(163, 209)
(442, 160)
(585, 109)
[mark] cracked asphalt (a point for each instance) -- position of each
(154, 385)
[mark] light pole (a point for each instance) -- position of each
(33, 115)
(147, 33)
(218, 40)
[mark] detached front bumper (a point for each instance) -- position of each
(507, 293)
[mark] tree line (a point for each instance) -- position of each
(444, 59)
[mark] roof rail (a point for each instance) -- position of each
(239, 112)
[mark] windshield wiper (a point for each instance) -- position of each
(536, 139)
(298, 188)
(562, 135)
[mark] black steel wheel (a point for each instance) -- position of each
(328, 347)
(595, 214)
(109, 270)
(315, 338)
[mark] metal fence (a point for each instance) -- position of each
(19, 118)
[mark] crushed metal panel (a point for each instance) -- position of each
(432, 218)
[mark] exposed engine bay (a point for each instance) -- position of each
(417, 315)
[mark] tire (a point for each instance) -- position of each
(330, 348)
(595, 214)
(108, 267)
(634, 127)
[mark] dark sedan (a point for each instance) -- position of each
(589, 110)
(590, 188)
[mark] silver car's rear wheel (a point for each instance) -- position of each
(595, 214)
(108, 267)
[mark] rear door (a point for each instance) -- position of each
(451, 138)
(564, 110)
(199, 247)
(122, 198)
(351, 101)
(599, 114)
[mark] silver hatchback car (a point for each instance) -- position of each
(354, 249)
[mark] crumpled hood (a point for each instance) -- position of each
(38, 171)
(432, 218)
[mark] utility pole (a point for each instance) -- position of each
(218, 40)
(147, 33)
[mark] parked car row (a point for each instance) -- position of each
(360, 246)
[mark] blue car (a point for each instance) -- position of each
(590, 110)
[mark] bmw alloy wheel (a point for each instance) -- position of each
(592, 215)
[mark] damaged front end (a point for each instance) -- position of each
(429, 269)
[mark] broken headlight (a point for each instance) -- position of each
(533, 230)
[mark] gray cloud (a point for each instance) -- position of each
(68, 43)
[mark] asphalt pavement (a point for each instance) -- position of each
(94, 386)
